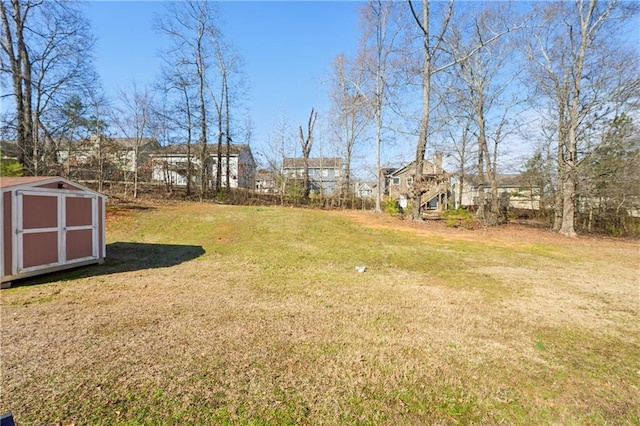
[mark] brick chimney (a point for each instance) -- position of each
(437, 160)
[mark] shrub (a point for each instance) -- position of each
(10, 168)
(458, 217)
(393, 208)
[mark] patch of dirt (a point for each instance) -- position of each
(512, 232)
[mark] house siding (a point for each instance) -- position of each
(170, 167)
(400, 182)
(325, 174)
(518, 197)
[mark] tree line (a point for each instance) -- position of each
(472, 80)
(47, 51)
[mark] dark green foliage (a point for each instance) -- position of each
(10, 168)
(393, 208)
(460, 217)
(609, 196)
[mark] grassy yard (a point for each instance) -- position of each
(207, 314)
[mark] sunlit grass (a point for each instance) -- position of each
(264, 320)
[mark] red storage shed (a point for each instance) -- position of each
(49, 224)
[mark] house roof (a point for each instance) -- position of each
(503, 180)
(133, 142)
(409, 166)
(264, 175)
(365, 185)
(181, 149)
(314, 163)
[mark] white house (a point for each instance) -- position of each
(266, 182)
(365, 189)
(169, 165)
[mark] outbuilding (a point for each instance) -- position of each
(49, 224)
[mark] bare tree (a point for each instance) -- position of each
(436, 59)
(134, 121)
(281, 142)
(488, 84)
(178, 88)
(610, 179)
(572, 67)
(306, 142)
(98, 110)
(46, 49)
(15, 48)
(379, 42)
(457, 139)
(223, 115)
(71, 124)
(192, 28)
(350, 112)
(228, 63)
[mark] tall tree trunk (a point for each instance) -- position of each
(100, 164)
(481, 212)
(29, 141)
(204, 154)
(347, 173)
(462, 172)
(189, 166)
(560, 168)
(421, 146)
(16, 78)
(136, 151)
(381, 178)
(307, 144)
(226, 131)
(21, 78)
(219, 154)
(569, 187)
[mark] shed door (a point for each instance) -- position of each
(80, 230)
(55, 229)
(38, 230)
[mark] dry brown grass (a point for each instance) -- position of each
(268, 323)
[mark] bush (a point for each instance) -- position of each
(460, 217)
(10, 168)
(393, 208)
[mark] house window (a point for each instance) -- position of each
(395, 181)
(409, 181)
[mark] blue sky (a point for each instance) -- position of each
(288, 48)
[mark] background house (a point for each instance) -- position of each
(513, 191)
(365, 189)
(169, 165)
(120, 157)
(325, 174)
(127, 153)
(266, 182)
(400, 184)
(9, 150)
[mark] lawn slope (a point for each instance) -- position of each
(208, 314)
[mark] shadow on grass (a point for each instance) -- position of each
(123, 257)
